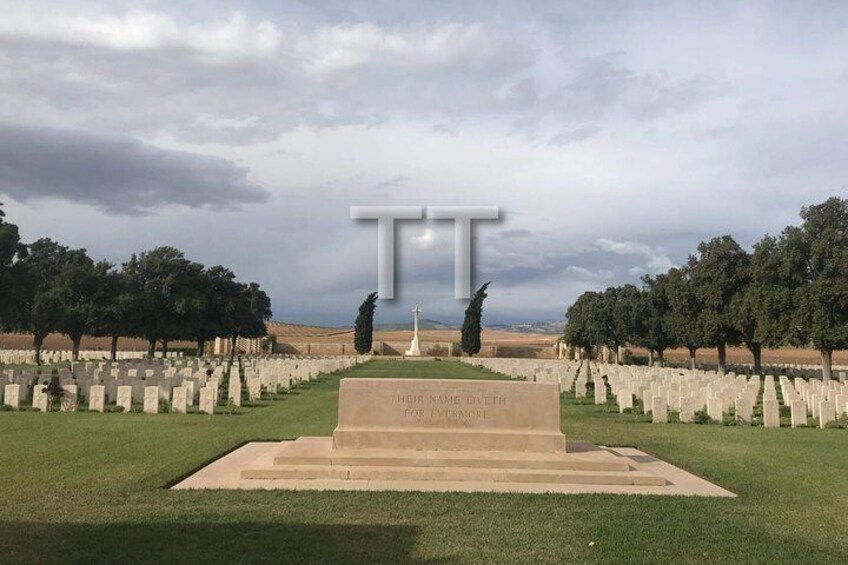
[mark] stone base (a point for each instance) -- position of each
(312, 464)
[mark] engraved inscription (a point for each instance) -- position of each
(450, 407)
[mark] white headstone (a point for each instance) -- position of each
(744, 411)
(151, 399)
(70, 398)
(234, 390)
(659, 410)
(207, 399)
(771, 414)
(687, 410)
(12, 396)
(124, 399)
(179, 399)
(799, 413)
(715, 408)
(96, 398)
(826, 413)
(39, 397)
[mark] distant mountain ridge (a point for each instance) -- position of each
(423, 324)
(550, 327)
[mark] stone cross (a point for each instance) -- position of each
(414, 350)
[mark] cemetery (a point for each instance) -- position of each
(752, 480)
(541, 282)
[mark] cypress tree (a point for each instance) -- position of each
(471, 325)
(364, 326)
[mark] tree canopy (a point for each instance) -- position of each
(472, 323)
(790, 289)
(363, 328)
(158, 295)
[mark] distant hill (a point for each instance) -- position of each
(553, 327)
(423, 324)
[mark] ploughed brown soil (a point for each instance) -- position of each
(293, 333)
(299, 334)
(59, 342)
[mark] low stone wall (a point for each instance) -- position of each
(428, 348)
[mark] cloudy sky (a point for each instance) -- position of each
(613, 137)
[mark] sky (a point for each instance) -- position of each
(612, 136)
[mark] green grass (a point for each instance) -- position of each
(90, 487)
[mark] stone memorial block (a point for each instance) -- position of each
(448, 414)
(70, 398)
(600, 392)
(659, 410)
(208, 397)
(97, 398)
(125, 397)
(151, 399)
(12, 396)
(179, 399)
(771, 414)
(39, 397)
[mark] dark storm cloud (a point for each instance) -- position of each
(120, 174)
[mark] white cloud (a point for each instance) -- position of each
(655, 260)
(586, 274)
(610, 155)
(142, 30)
(427, 240)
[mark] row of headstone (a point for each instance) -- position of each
(686, 392)
(177, 383)
(27, 356)
(554, 371)
(662, 390)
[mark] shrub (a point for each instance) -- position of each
(701, 417)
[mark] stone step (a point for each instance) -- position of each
(451, 474)
(455, 460)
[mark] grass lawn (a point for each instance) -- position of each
(90, 487)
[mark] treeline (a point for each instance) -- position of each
(790, 290)
(157, 295)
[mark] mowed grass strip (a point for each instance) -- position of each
(89, 487)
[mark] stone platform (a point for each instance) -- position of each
(446, 435)
(585, 469)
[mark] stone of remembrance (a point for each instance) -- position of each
(438, 434)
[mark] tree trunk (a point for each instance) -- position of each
(233, 341)
(37, 342)
(692, 351)
(757, 352)
(661, 357)
(650, 358)
(827, 364)
(201, 345)
(722, 358)
(164, 348)
(151, 348)
(113, 349)
(75, 347)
